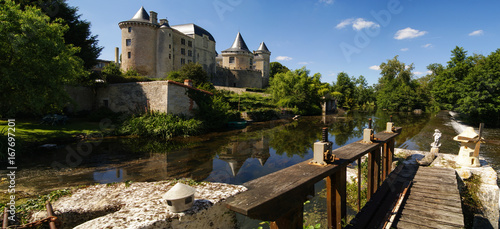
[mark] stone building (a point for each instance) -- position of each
(248, 69)
(155, 48)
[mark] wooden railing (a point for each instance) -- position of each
(279, 196)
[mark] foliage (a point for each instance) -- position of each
(194, 72)
(78, 33)
(248, 101)
(213, 110)
(275, 68)
(298, 89)
(346, 87)
(470, 85)
(470, 200)
(38, 204)
(35, 63)
(396, 89)
(263, 114)
(160, 125)
(105, 113)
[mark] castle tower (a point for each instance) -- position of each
(238, 57)
(139, 43)
(262, 62)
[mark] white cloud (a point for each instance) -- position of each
(360, 24)
(375, 67)
(344, 23)
(407, 66)
(428, 72)
(418, 73)
(357, 24)
(285, 58)
(477, 33)
(405, 49)
(327, 2)
(427, 45)
(408, 33)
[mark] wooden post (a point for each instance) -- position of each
(385, 152)
(336, 200)
(359, 184)
(292, 219)
(5, 223)
(50, 212)
(390, 155)
(373, 172)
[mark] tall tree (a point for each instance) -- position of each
(396, 89)
(78, 32)
(275, 68)
(346, 87)
(35, 63)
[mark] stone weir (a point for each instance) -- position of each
(488, 192)
(142, 205)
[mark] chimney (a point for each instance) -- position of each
(153, 17)
(188, 83)
(117, 55)
(162, 21)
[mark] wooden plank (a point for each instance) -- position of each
(419, 225)
(419, 219)
(420, 204)
(269, 196)
(431, 199)
(434, 214)
(436, 188)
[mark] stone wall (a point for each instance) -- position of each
(82, 96)
(238, 78)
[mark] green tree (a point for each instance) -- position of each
(364, 93)
(78, 33)
(396, 89)
(297, 89)
(346, 87)
(35, 63)
(448, 83)
(194, 72)
(275, 68)
(480, 97)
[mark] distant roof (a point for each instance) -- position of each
(263, 47)
(238, 44)
(141, 15)
(190, 29)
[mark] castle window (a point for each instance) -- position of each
(190, 53)
(129, 55)
(169, 46)
(251, 61)
(183, 51)
(169, 56)
(183, 61)
(231, 59)
(183, 41)
(129, 42)
(129, 29)
(190, 43)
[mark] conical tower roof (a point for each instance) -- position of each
(263, 47)
(141, 15)
(238, 45)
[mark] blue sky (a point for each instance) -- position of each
(326, 36)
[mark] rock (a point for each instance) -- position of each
(427, 160)
(141, 205)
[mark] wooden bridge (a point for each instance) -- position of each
(279, 197)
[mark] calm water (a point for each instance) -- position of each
(233, 157)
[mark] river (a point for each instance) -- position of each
(233, 157)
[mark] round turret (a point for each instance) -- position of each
(139, 43)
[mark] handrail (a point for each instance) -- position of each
(278, 197)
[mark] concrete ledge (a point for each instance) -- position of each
(141, 205)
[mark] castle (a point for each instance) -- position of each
(154, 49)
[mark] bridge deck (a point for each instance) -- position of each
(433, 201)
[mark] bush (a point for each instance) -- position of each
(263, 114)
(160, 125)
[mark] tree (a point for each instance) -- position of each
(480, 98)
(194, 72)
(346, 87)
(78, 32)
(396, 89)
(297, 89)
(35, 63)
(364, 93)
(275, 68)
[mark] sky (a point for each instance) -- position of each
(325, 36)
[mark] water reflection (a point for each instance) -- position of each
(231, 157)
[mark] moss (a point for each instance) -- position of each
(470, 201)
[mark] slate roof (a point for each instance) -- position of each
(263, 47)
(190, 29)
(141, 15)
(238, 45)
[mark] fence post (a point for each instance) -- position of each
(5, 223)
(50, 212)
(373, 172)
(336, 198)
